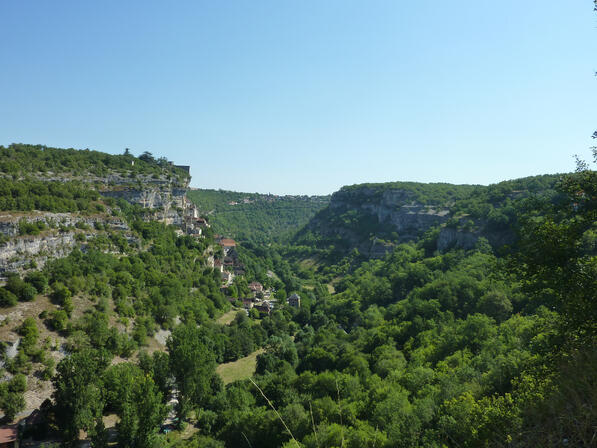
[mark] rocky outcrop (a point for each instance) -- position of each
(111, 180)
(150, 197)
(379, 249)
(367, 218)
(450, 237)
(164, 195)
(373, 218)
(9, 222)
(165, 203)
(394, 208)
(18, 252)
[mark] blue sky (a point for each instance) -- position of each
(307, 96)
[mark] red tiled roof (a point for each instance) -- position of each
(8, 433)
(228, 242)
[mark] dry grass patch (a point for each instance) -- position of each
(240, 369)
(227, 318)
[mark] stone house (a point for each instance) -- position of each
(294, 300)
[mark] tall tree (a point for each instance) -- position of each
(193, 365)
(559, 252)
(78, 392)
(137, 401)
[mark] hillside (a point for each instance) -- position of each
(47, 163)
(401, 315)
(254, 217)
(373, 218)
(88, 261)
(82, 183)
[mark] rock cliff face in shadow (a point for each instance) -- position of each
(373, 219)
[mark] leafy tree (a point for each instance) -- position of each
(193, 365)
(29, 332)
(58, 320)
(559, 252)
(12, 400)
(137, 401)
(7, 298)
(78, 392)
(158, 366)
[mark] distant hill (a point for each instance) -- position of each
(258, 218)
(374, 217)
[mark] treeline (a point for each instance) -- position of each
(59, 197)
(24, 160)
(423, 193)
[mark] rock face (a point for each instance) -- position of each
(19, 252)
(166, 203)
(164, 198)
(373, 219)
(365, 217)
(393, 207)
(450, 237)
(9, 222)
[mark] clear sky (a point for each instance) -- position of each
(306, 96)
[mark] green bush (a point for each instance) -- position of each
(58, 320)
(38, 280)
(7, 298)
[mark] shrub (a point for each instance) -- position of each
(59, 320)
(7, 298)
(38, 280)
(28, 293)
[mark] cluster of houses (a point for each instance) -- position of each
(260, 299)
(244, 201)
(193, 224)
(263, 301)
(230, 266)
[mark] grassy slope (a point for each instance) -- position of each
(240, 369)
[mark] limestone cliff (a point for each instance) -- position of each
(373, 218)
(164, 198)
(163, 195)
(166, 202)
(20, 251)
(397, 210)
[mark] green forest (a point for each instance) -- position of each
(479, 347)
(256, 218)
(443, 296)
(22, 160)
